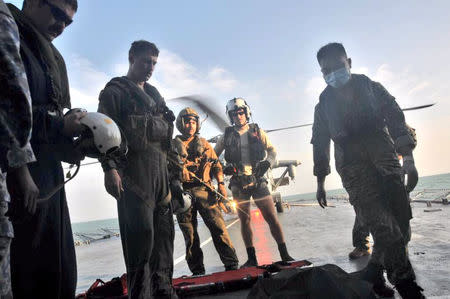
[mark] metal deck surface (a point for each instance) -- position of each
(323, 236)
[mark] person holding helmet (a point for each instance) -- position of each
(43, 257)
(249, 154)
(200, 165)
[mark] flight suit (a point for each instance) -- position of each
(145, 213)
(199, 158)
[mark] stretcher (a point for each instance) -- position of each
(186, 286)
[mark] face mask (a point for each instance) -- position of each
(338, 78)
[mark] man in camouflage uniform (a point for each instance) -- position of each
(15, 132)
(356, 113)
(200, 162)
(249, 154)
(141, 183)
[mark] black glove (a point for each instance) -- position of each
(169, 115)
(261, 168)
(410, 169)
(176, 189)
(321, 196)
(229, 169)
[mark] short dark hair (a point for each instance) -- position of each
(335, 50)
(141, 46)
(72, 3)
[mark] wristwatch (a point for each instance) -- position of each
(221, 183)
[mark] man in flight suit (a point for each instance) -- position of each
(43, 257)
(249, 154)
(140, 181)
(200, 162)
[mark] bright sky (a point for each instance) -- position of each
(264, 51)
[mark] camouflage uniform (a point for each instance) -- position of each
(15, 130)
(360, 232)
(366, 159)
(199, 157)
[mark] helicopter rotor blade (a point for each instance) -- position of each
(418, 107)
(287, 128)
(204, 104)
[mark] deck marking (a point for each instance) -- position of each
(181, 258)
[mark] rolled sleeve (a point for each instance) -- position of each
(19, 156)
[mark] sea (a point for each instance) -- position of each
(99, 251)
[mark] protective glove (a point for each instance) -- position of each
(222, 190)
(409, 169)
(321, 196)
(229, 169)
(169, 115)
(224, 205)
(261, 168)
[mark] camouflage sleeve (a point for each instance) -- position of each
(395, 119)
(271, 152)
(15, 104)
(321, 144)
(19, 156)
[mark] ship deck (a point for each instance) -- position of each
(322, 236)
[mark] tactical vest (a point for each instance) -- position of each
(194, 157)
(232, 141)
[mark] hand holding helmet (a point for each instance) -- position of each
(72, 122)
(100, 136)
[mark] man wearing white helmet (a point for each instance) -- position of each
(249, 154)
(200, 162)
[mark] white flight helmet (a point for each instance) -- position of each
(181, 207)
(236, 103)
(104, 130)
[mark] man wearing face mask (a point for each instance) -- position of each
(42, 252)
(249, 154)
(368, 130)
(140, 181)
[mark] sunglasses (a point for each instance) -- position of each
(58, 13)
(237, 113)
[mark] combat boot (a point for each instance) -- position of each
(409, 289)
(251, 262)
(285, 257)
(358, 253)
(373, 273)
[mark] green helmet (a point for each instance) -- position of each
(187, 112)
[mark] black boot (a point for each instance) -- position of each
(285, 257)
(251, 262)
(409, 289)
(373, 273)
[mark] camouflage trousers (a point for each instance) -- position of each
(204, 203)
(6, 234)
(360, 234)
(390, 246)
